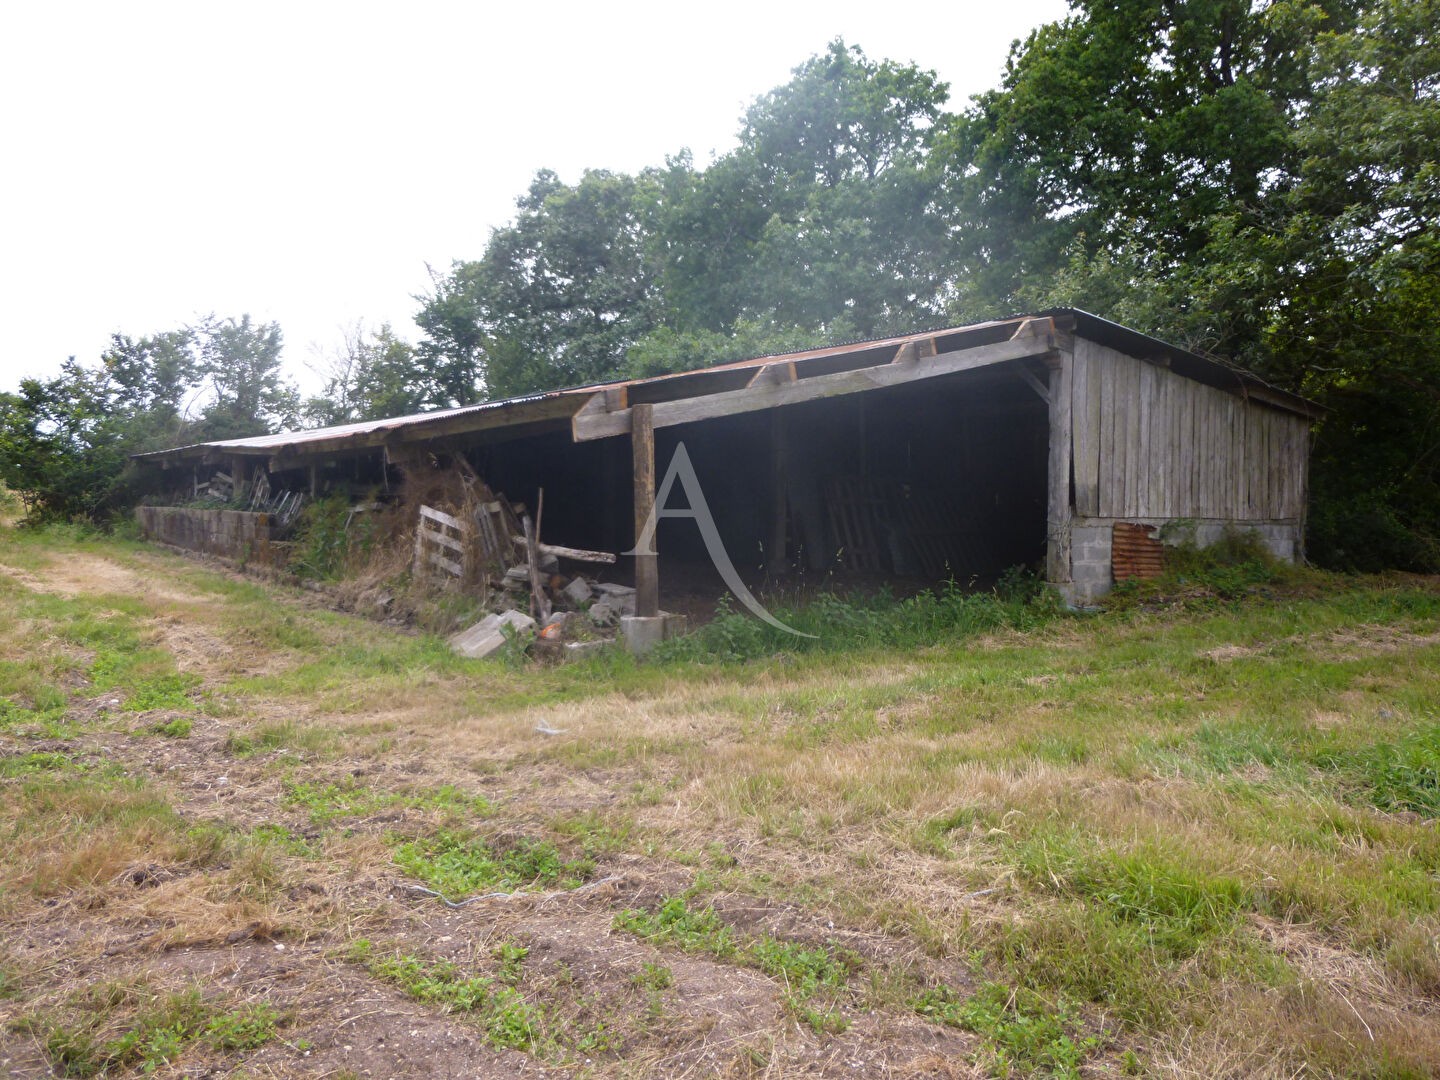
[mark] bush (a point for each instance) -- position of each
(1236, 565)
(328, 538)
(857, 621)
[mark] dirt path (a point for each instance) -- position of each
(255, 897)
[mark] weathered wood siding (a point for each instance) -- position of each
(1150, 444)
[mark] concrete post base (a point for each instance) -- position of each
(641, 633)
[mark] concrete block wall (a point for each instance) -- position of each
(1091, 575)
(1283, 539)
(231, 534)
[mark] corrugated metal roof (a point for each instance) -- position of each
(340, 431)
(490, 413)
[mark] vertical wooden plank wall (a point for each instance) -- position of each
(1085, 418)
(1058, 512)
(1148, 443)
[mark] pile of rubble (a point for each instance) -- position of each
(532, 601)
(584, 616)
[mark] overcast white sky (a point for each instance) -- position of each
(304, 161)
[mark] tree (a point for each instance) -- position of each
(373, 377)
(240, 362)
(1131, 124)
(825, 217)
(1256, 181)
(453, 349)
(822, 221)
(65, 442)
(560, 293)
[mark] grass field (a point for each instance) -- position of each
(241, 834)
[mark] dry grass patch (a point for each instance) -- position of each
(1085, 849)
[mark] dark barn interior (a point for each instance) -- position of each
(922, 481)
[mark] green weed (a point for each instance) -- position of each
(674, 923)
(286, 840)
(858, 621)
(653, 977)
(327, 803)
(512, 961)
(179, 728)
(461, 864)
(1403, 775)
(160, 1031)
(283, 735)
(1022, 1032)
(39, 762)
(502, 1012)
(1179, 906)
(161, 692)
(812, 977)
(247, 1028)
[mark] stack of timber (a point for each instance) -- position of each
(534, 582)
(283, 505)
(491, 544)
(220, 486)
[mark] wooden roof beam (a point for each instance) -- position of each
(1033, 382)
(774, 374)
(595, 422)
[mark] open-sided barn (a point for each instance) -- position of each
(1058, 439)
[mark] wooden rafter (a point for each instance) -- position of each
(595, 422)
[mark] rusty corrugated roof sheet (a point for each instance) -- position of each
(1135, 551)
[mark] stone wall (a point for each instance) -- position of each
(233, 534)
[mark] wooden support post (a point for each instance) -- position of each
(314, 482)
(539, 600)
(240, 473)
(776, 563)
(642, 457)
(1059, 512)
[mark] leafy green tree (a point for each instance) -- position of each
(1357, 274)
(65, 441)
(824, 220)
(1131, 125)
(240, 362)
(667, 350)
(453, 348)
(1300, 139)
(560, 293)
(373, 377)
(825, 217)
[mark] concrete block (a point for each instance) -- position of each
(574, 650)
(641, 633)
(487, 637)
(578, 591)
(1090, 570)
